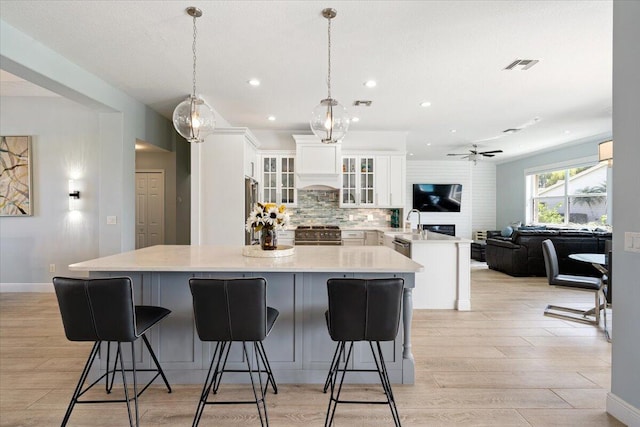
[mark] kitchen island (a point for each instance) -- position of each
(299, 346)
(445, 282)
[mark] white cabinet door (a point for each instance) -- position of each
(250, 161)
(278, 179)
(397, 180)
(382, 181)
(358, 181)
(371, 238)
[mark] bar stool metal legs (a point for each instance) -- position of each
(336, 387)
(214, 375)
(109, 376)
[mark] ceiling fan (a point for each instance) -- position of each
(474, 154)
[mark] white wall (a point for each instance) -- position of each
(64, 145)
(624, 400)
(477, 211)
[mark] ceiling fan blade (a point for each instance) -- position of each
(451, 154)
(488, 155)
(490, 152)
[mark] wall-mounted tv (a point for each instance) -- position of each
(437, 197)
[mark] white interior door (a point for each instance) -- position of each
(149, 208)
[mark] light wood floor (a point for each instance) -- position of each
(501, 364)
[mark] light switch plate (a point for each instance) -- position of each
(631, 241)
(112, 220)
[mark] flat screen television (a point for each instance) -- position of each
(437, 197)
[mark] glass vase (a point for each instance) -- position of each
(268, 239)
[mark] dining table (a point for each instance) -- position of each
(599, 261)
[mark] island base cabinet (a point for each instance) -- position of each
(299, 347)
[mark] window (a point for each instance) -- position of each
(574, 197)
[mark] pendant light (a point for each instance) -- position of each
(329, 120)
(193, 118)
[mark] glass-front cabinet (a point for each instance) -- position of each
(278, 179)
(358, 183)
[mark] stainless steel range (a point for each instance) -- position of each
(318, 235)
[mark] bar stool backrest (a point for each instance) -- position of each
(230, 309)
(364, 310)
(75, 309)
(97, 309)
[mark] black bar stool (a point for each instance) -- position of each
(227, 311)
(362, 310)
(103, 310)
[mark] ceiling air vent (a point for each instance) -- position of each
(362, 103)
(522, 64)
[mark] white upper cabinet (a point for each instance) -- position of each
(317, 163)
(373, 181)
(390, 181)
(279, 179)
(358, 181)
(251, 161)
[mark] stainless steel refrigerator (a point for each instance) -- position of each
(250, 199)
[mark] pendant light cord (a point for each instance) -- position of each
(329, 62)
(195, 33)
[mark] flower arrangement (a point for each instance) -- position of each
(268, 216)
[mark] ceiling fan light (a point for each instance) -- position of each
(193, 119)
(330, 121)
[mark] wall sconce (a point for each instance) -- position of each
(74, 195)
(605, 152)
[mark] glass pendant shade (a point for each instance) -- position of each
(193, 118)
(329, 121)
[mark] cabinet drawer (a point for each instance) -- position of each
(353, 234)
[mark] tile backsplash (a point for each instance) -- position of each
(322, 207)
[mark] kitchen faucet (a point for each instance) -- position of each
(419, 228)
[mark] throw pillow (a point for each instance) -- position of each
(506, 232)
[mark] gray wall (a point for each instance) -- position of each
(510, 176)
(64, 145)
(121, 120)
(625, 380)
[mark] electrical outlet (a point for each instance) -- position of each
(350, 217)
(52, 268)
(370, 217)
(112, 220)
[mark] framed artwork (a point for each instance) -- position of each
(15, 176)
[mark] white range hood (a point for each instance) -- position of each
(317, 164)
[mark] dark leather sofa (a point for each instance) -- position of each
(521, 253)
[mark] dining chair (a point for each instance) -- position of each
(580, 283)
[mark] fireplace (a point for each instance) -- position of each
(448, 229)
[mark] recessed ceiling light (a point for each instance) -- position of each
(254, 82)
(425, 104)
(453, 131)
(370, 83)
(566, 132)
(428, 144)
(411, 154)
(271, 118)
(355, 119)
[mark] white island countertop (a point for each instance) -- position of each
(430, 237)
(356, 259)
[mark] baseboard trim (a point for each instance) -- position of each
(622, 411)
(26, 287)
